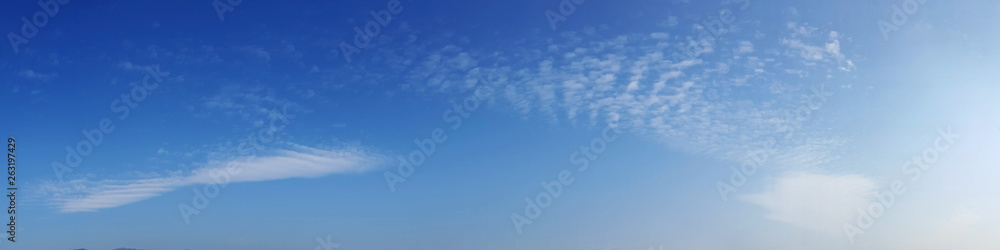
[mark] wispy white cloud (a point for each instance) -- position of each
(745, 47)
(810, 154)
(257, 52)
(250, 103)
(87, 196)
(801, 30)
(32, 75)
(296, 162)
(127, 65)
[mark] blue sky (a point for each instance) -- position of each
(726, 124)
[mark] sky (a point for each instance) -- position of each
(574, 124)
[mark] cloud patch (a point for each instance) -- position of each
(820, 203)
(296, 162)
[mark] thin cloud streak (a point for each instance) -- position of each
(298, 162)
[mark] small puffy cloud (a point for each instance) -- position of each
(820, 203)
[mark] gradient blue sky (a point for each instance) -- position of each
(689, 102)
